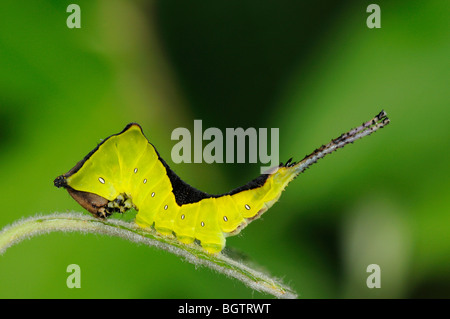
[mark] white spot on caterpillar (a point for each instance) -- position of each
(182, 216)
(135, 170)
(247, 207)
(203, 224)
(165, 207)
(153, 194)
(225, 218)
(145, 181)
(101, 180)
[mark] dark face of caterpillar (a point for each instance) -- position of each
(95, 204)
(100, 206)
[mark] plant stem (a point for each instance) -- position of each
(77, 222)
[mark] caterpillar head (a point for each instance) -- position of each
(93, 203)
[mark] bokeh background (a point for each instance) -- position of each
(313, 69)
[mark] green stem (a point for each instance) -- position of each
(76, 222)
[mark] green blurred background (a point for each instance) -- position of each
(311, 68)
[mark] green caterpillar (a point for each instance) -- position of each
(125, 171)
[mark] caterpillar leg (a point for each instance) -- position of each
(213, 248)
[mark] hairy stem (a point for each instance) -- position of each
(77, 222)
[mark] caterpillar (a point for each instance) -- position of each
(126, 171)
